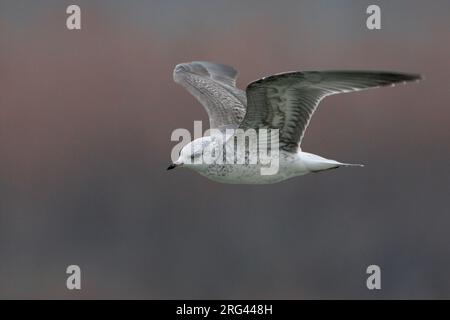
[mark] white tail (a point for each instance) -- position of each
(352, 165)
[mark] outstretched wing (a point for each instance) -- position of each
(214, 86)
(287, 101)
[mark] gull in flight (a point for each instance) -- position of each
(285, 102)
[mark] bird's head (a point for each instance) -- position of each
(192, 155)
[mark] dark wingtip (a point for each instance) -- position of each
(419, 77)
(402, 78)
(411, 76)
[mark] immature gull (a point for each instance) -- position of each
(283, 103)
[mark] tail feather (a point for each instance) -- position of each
(352, 165)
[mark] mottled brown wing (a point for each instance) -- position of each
(214, 86)
(287, 101)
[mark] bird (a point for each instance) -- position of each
(283, 103)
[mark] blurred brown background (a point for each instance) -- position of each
(85, 124)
